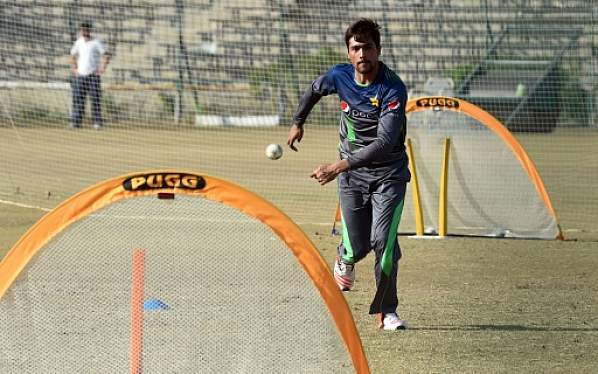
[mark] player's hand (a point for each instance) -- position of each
(295, 134)
(101, 70)
(327, 172)
(323, 174)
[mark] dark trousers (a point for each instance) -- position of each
(371, 212)
(82, 85)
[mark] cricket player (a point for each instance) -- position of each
(373, 168)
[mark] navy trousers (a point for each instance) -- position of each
(83, 85)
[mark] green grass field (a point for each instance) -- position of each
(474, 304)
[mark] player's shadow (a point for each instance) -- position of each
(502, 328)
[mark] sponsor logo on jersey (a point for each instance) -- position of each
(356, 113)
(374, 101)
(393, 105)
(345, 107)
(164, 180)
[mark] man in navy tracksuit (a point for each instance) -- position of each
(373, 167)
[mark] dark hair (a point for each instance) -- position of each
(362, 30)
(85, 25)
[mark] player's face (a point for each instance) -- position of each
(363, 55)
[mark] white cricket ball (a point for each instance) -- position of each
(273, 151)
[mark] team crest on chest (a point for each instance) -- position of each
(374, 101)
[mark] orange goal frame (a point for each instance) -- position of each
(167, 182)
(493, 124)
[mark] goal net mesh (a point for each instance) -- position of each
(206, 85)
(223, 293)
(499, 201)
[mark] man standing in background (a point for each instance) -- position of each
(89, 60)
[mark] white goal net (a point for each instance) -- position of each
(206, 85)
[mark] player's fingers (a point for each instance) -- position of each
(323, 179)
(290, 143)
(296, 134)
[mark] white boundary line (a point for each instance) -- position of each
(21, 205)
(24, 205)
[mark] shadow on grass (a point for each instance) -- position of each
(504, 328)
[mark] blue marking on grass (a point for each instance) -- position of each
(155, 304)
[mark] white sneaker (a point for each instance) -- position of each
(97, 126)
(391, 321)
(344, 274)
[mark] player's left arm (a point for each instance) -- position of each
(391, 125)
(106, 57)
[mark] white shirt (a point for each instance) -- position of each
(89, 54)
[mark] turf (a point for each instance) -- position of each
(474, 304)
(484, 305)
